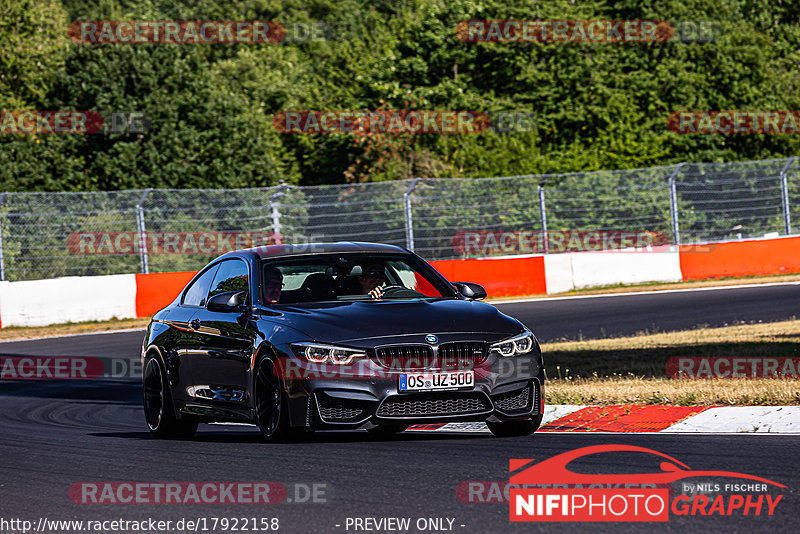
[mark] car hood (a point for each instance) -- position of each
(374, 322)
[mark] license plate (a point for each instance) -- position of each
(433, 381)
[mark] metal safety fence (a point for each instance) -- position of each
(46, 235)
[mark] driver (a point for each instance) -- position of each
(371, 278)
(273, 283)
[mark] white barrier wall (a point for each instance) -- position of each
(609, 268)
(67, 300)
(97, 298)
(575, 270)
(558, 273)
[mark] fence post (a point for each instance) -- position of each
(275, 207)
(673, 204)
(543, 214)
(2, 261)
(409, 220)
(787, 218)
(141, 228)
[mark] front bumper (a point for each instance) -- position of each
(505, 389)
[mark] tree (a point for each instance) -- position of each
(33, 43)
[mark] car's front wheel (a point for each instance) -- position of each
(158, 409)
(270, 405)
(515, 428)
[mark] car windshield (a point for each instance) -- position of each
(348, 277)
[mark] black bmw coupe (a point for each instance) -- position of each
(296, 338)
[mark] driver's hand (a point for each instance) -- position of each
(376, 293)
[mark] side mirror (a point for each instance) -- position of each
(470, 290)
(230, 301)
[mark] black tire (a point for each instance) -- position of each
(271, 412)
(159, 412)
(387, 431)
(515, 428)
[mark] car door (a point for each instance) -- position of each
(183, 342)
(220, 366)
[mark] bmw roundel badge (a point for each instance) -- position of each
(430, 338)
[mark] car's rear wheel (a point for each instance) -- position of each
(515, 428)
(387, 431)
(159, 411)
(272, 417)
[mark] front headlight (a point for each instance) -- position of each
(513, 346)
(319, 353)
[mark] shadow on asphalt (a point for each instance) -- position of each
(253, 436)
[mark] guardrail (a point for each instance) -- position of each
(96, 298)
(43, 235)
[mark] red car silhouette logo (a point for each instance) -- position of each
(554, 470)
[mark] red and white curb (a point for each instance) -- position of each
(649, 418)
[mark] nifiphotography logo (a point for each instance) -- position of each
(571, 496)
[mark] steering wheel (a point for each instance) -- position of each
(395, 290)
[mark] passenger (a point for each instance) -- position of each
(371, 278)
(273, 283)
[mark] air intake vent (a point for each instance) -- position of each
(514, 401)
(434, 404)
(335, 410)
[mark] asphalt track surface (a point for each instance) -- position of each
(58, 433)
(590, 317)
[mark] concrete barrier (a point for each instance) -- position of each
(558, 273)
(502, 277)
(67, 300)
(591, 269)
(741, 258)
(156, 290)
(97, 298)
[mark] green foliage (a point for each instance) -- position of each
(596, 106)
(33, 42)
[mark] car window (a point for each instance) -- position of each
(232, 275)
(400, 273)
(197, 292)
(295, 275)
(326, 278)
